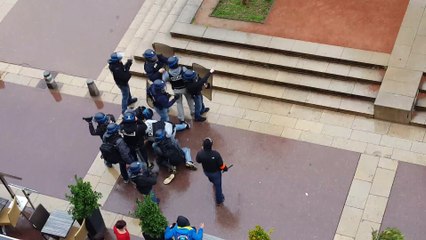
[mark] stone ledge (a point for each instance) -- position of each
(393, 107)
(269, 43)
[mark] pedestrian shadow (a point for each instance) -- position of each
(226, 218)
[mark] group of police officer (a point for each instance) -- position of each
(126, 143)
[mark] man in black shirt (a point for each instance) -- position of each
(213, 166)
(102, 120)
(121, 74)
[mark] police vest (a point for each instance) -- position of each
(177, 80)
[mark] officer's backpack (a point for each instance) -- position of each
(110, 152)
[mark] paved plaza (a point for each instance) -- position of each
(307, 172)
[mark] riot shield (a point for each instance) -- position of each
(202, 71)
(163, 49)
(149, 100)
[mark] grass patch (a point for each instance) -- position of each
(254, 11)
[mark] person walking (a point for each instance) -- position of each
(182, 230)
(121, 74)
(212, 166)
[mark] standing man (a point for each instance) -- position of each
(120, 152)
(157, 92)
(133, 133)
(213, 166)
(194, 85)
(122, 76)
(174, 75)
(154, 64)
(102, 121)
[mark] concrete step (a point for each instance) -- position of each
(229, 69)
(303, 96)
(419, 118)
(279, 45)
(273, 60)
(421, 102)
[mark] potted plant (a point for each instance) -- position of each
(152, 221)
(84, 205)
(387, 234)
(258, 233)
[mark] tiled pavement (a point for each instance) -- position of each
(382, 144)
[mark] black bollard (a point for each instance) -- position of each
(93, 89)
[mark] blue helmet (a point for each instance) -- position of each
(129, 116)
(101, 117)
(159, 84)
(147, 113)
(149, 54)
(189, 75)
(173, 62)
(112, 128)
(160, 134)
(135, 167)
(116, 57)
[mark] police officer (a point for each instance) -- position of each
(194, 85)
(112, 136)
(102, 121)
(174, 75)
(154, 64)
(144, 179)
(134, 135)
(170, 154)
(157, 92)
(122, 76)
(212, 166)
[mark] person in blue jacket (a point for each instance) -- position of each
(157, 92)
(182, 230)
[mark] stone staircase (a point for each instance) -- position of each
(317, 75)
(419, 115)
(285, 74)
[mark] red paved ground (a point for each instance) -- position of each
(362, 24)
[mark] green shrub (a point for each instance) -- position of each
(83, 199)
(152, 221)
(258, 233)
(387, 234)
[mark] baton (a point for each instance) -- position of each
(228, 167)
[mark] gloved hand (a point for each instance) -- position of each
(88, 119)
(225, 169)
(177, 96)
(207, 85)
